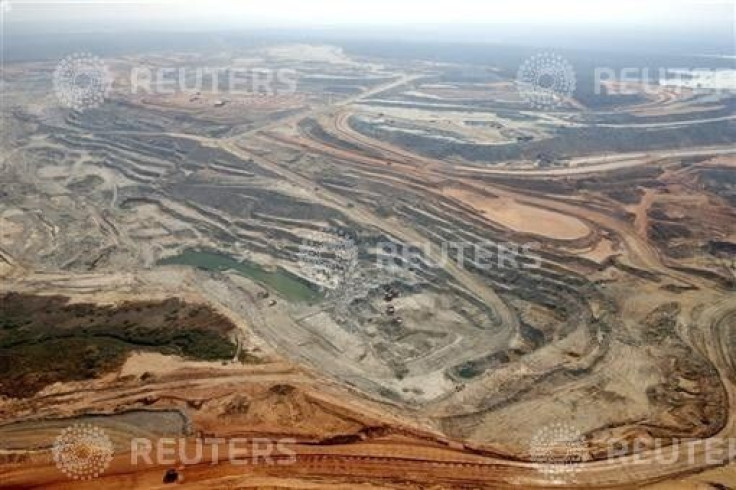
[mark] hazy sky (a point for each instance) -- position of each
(372, 12)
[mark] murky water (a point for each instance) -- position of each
(279, 280)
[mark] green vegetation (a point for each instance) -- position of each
(44, 339)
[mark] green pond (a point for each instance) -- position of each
(282, 282)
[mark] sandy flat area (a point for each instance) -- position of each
(523, 218)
